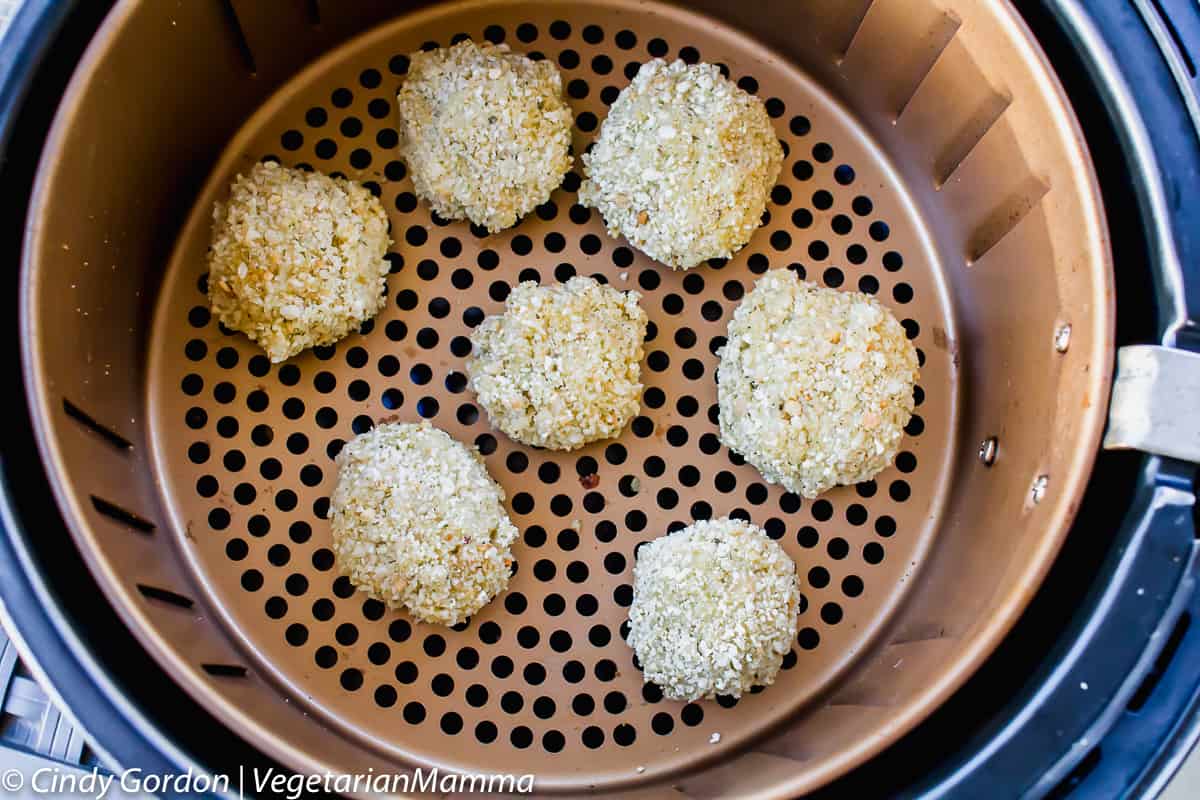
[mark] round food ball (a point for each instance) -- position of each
(561, 366)
(486, 132)
(418, 523)
(714, 609)
(684, 164)
(815, 385)
(297, 258)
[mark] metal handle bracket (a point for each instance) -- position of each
(1156, 402)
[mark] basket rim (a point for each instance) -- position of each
(984, 641)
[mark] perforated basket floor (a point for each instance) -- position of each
(541, 678)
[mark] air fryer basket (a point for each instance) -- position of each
(931, 159)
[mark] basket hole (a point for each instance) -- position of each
(885, 526)
(592, 737)
(442, 685)
(236, 550)
(225, 670)
(818, 577)
(297, 635)
(831, 613)
(343, 588)
(1076, 776)
(104, 432)
(838, 548)
(528, 637)
(325, 657)
(512, 702)
(1139, 698)
(414, 713)
(296, 584)
(121, 515)
(486, 732)
(385, 696)
(568, 538)
(451, 723)
(434, 645)
(624, 734)
(534, 674)
(165, 596)
(238, 34)
(515, 603)
(234, 460)
(489, 633)
(544, 707)
(553, 741)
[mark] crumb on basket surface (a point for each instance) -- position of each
(485, 132)
(815, 385)
(419, 524)
(297, 258)
(714, 609)
(684, 164)
(561, 366)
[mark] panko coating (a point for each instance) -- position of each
(297, 258)
(561, 367)
(486, 132)
(419, 524)
(684, 164)
(815, 385)
(714, 609)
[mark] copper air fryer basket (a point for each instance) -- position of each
(931, 159)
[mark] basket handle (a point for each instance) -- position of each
(1155, 404)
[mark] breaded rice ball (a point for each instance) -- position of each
(684, 164)
(418, 523)
(714, 609)
(297, 258)
(815, 385)
(561, 366)
(485, 132)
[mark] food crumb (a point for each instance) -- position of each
(640, 769)
(716, 737)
